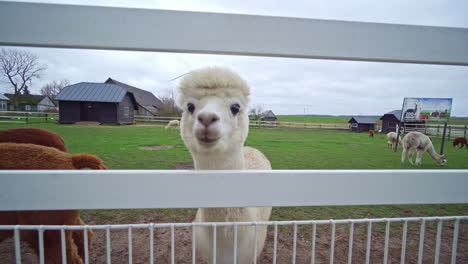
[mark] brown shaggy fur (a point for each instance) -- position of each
(371, 133)
(33, 136)
(460, 140)
(32, 157)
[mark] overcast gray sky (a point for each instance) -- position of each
(287, 86)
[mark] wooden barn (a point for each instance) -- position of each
(390, 121)
(148, 103)
(361, 124)
(268, 116)
(98, 102)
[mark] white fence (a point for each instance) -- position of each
(26, 117)
(257, 123)
(55, 26)
(437, 130)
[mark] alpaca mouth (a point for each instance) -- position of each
(206, 140)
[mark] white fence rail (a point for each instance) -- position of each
(198, 32)
(257, 123)
(437, 130)
(26, 117)
(68, 26)
(192, 189)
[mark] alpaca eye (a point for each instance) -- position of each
(235, 108)
(191, 107)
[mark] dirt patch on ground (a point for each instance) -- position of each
(159, 147)
(184, 166)
(183, 243)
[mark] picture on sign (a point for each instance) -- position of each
(426, 109)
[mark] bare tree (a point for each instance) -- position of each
(19, 68)
(256, 112)
(169, 107)
(52, 88)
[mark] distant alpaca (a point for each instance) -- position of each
(371, 133)
(173, 123)
(417, 141)
(460, 140)
(391, 139)
(214, 127)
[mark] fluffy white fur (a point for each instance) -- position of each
(218, 144)
(417, 141)
(391, 139)
(172, 123)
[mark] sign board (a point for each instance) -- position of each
(426, 109)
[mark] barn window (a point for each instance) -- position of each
(354, 125)
(27, 107)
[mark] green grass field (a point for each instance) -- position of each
(286, 149)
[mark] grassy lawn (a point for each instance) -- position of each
(286, 149)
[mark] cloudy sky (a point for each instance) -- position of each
(287, 86)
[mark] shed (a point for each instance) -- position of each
(30, 102)
(268, 116)
(148, 103)
(391, 119)
(362, 124)
(98, 102)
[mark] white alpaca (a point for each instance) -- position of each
(391, 139)
(214, 126)
(417, 141)
(173, 123)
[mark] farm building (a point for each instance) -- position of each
(3, 102)
(391, 119)
(268, 116)
(148, 104)
(98, 102)
(361, 124)
(30, 103)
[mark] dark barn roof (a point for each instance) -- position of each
(362, 120)
(26, 98)
(395, 113)
(92, 92)
(142, 97)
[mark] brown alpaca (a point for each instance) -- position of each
(33, 136)
(371, 133)
(460, 141)
(32, 157)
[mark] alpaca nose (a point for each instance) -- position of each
(207, 118)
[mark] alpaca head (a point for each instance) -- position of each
(441, 160)
(214, 102)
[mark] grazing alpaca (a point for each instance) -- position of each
(460, 141)
(33, 136)
(173, 123)
(214, 127)
(417, 141)
(391, 139)
(371, 133)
